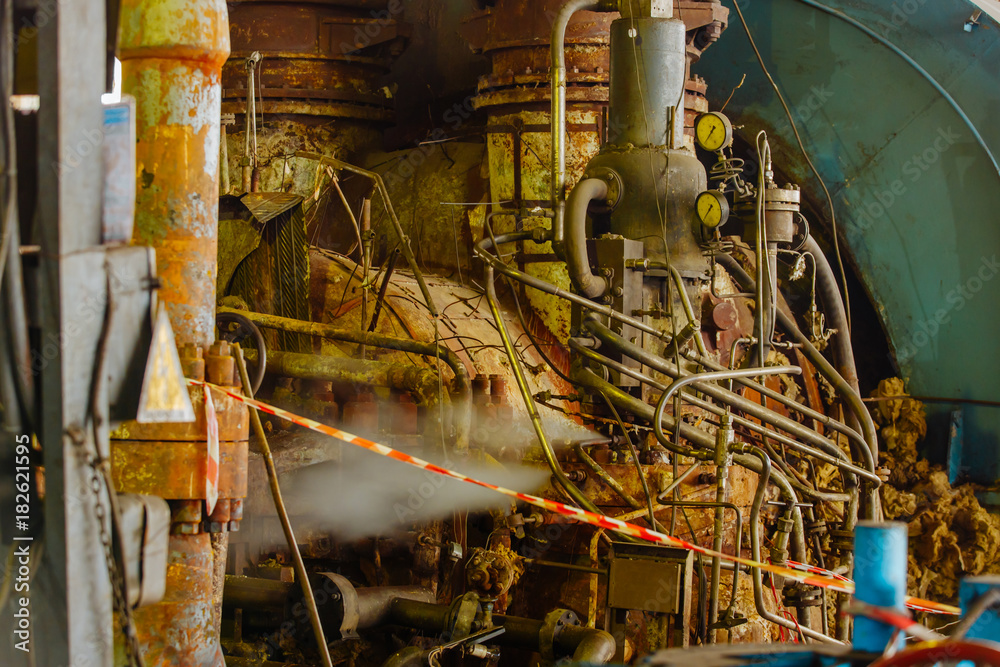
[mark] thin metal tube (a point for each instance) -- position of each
(700, 439)
(603, 475)
(710, 377)
(721, 394)
(635, 459)
(529, 403)
(335, 182)
(689, 311)
(483, 251)
(557, 82)
(279, 505)
(404, 240)
(758, 579)
(790, 403)
(565, 566)
(677, 482)
(840, 462)
(851, 398)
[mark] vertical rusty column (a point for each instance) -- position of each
(172, 53)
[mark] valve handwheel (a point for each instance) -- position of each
(236, 328)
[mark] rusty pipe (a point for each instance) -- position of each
(370, 607)
(590, 284)
(421, 381)
(462, 407)
(172, 53)
(586, 645)
(557, 82)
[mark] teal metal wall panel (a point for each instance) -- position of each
(918, 200)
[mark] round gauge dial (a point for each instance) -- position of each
(713, 208)
(713, 131)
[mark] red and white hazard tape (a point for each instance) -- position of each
(806, 574)
(212, 466)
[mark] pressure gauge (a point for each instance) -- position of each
(713, 208)
(713, 131)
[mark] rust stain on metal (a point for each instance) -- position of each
(234, 422)
(176, 470)
(180, 629)
(320, 58)
(172, 53)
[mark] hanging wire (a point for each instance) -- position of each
(805, 154)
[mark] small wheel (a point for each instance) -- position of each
(236, 328)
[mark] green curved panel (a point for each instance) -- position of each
(918, 200)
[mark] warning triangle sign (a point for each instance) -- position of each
(164, 396)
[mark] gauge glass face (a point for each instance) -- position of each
(713, 209)
(713, 131)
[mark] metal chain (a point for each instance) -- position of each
(99, 477)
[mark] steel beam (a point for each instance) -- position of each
(71, 595)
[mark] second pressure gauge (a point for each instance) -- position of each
(713, 208)
(713, 131)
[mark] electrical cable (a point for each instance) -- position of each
(805, 154)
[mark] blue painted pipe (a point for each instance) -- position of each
(880, 551)
(987, 625)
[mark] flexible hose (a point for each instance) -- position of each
(833, 302)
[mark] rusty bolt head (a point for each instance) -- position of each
(215, 527)
(192, 362)
(220, 365)
(186, 528)
(220, 348)
(234, 526)
(190, 351)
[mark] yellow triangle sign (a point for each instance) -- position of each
(164, 396)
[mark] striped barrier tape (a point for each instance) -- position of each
(212, 467)
(805, 574)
